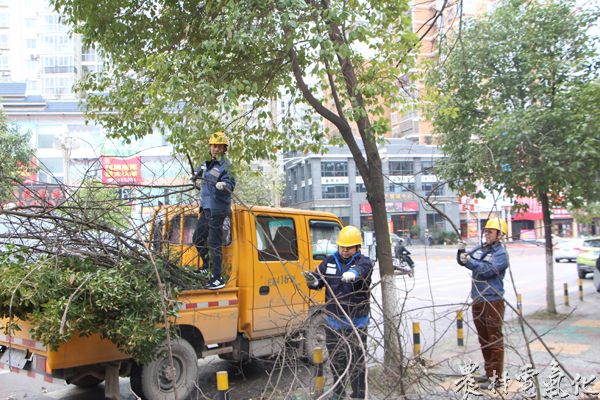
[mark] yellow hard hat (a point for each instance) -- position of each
(349, 236)
(219, 138)
(498, 224)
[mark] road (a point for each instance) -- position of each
(439, 288)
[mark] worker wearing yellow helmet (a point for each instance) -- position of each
(488, 264)
(347, 277)
(216, 185)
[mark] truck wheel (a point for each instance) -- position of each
(135, 380)
(155, 381)
(315, 336)
(87, 381)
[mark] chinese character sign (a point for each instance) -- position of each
(121, 170)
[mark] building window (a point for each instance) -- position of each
(435, 222)
(4, 62)
(402, 168)
(45, 141)
(52, 165)
(58, 64)
(402, 187)
(4, 42)
(31, 43)
(335, 191)
(334, 168)
(427, 167)
(434, 189)
(30, 22)
(361, 188)
(58, 43)
(58, 85)
(3, 20)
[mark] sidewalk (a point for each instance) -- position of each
(572, 338)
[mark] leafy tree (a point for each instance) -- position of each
(515, 106)
(192, 67)
(16, 155)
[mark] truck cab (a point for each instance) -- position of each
(264, 304)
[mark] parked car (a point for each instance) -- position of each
(568, 249)
(586, 261)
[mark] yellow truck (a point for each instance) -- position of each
(264, 304)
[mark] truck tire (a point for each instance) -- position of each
(135, 380)
(315, 336)
(155, 384)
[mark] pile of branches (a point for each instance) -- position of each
(81, 268)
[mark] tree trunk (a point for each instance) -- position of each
(550, 301)
(391, 323)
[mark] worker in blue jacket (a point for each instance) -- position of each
(488, 264)
(216, 185)
(347, 277)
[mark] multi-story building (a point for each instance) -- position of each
(37, 49)
(331, 182)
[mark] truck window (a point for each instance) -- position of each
(276, 236)
(323, 237)
(189, 226)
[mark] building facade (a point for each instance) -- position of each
(37, 49)
(331, 182)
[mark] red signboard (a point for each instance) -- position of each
(39, 195)
(534, 211)
(121, 170)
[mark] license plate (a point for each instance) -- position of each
(15, 358)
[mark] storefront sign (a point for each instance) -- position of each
(534, 211)
(121, 170)
(392, 207)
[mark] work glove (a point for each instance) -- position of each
(464, 257)
(220, 185)
(348, 277)
(311, 280)
(462, 245)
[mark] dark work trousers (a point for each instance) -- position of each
(345, 351)
(208, 238)
(488, 317)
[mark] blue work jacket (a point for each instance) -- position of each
(488, 265)
(353, 297)
(211, 172)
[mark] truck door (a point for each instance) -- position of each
(278, 301)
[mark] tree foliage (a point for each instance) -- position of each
(16, 155)
(515, 103)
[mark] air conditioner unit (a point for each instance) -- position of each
(34, 57)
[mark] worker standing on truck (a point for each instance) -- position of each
(347, 276)
(217, 184)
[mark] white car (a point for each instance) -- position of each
(567, 250)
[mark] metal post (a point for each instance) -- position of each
(520, 303)
(416, 338)
(581, 290)
(566, 289)
(222, 385)
(459, 328)
(319, 372)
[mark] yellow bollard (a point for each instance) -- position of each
(416, 338)
(459, 328)
(520, 303)
(319, 372)
(581, 290)
(566, 289)
(222, 385)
